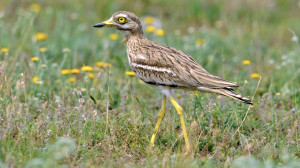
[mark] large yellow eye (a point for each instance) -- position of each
(121, 20)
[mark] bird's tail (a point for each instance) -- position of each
(227, 91)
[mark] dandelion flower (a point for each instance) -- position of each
(255, 76)
(246, 62)
(200, 42)
(65, 71)
(130, 73)
(41, 36)
(4, 50)
(160, 32)
(36, 8)
(91, 75)
(150, 29)
(149, 20)
(36, 80)
(87, 68)
(103, 64)
(71, 79)
(34, 59)
(113, 36)
(43, 49)
(194, 94)
(75, 71)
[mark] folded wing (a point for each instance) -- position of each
(168, 66)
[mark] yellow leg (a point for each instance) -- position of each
(179, 111)
(159, 120)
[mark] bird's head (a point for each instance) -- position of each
(124, 21)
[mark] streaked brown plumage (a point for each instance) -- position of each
(165, 67)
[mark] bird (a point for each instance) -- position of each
(166, 68)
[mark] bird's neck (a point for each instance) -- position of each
(134, 43)
(131, 37)
(134, 33)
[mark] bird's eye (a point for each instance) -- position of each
(121, 20)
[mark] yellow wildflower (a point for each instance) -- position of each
(41, 36)
(246, 62)
(44, 66)
(4, 50)
(150, 29)
(34, 59)
(160, 32)
(103, 64)
(35, 7)
(130, 73)
(194, 94)
(200, 42)
(113, 36)
(35, 79)
(65, 71)
(71, 79)
(255, 75)
(43, 49)
(91, 75)
(87, 68)
(149, 20)
(75, 71)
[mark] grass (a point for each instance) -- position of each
(106, 118)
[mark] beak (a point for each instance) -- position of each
(107, 23)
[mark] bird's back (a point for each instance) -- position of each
(161, 65)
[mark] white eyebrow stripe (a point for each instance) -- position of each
(122, 15)
(153, 68)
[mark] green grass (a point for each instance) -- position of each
(57, 123)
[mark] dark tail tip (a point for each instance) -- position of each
(243, 99)
(238, 97)
(248, 102)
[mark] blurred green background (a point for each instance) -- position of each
(66, 99)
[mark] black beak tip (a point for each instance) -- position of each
(99, 25)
